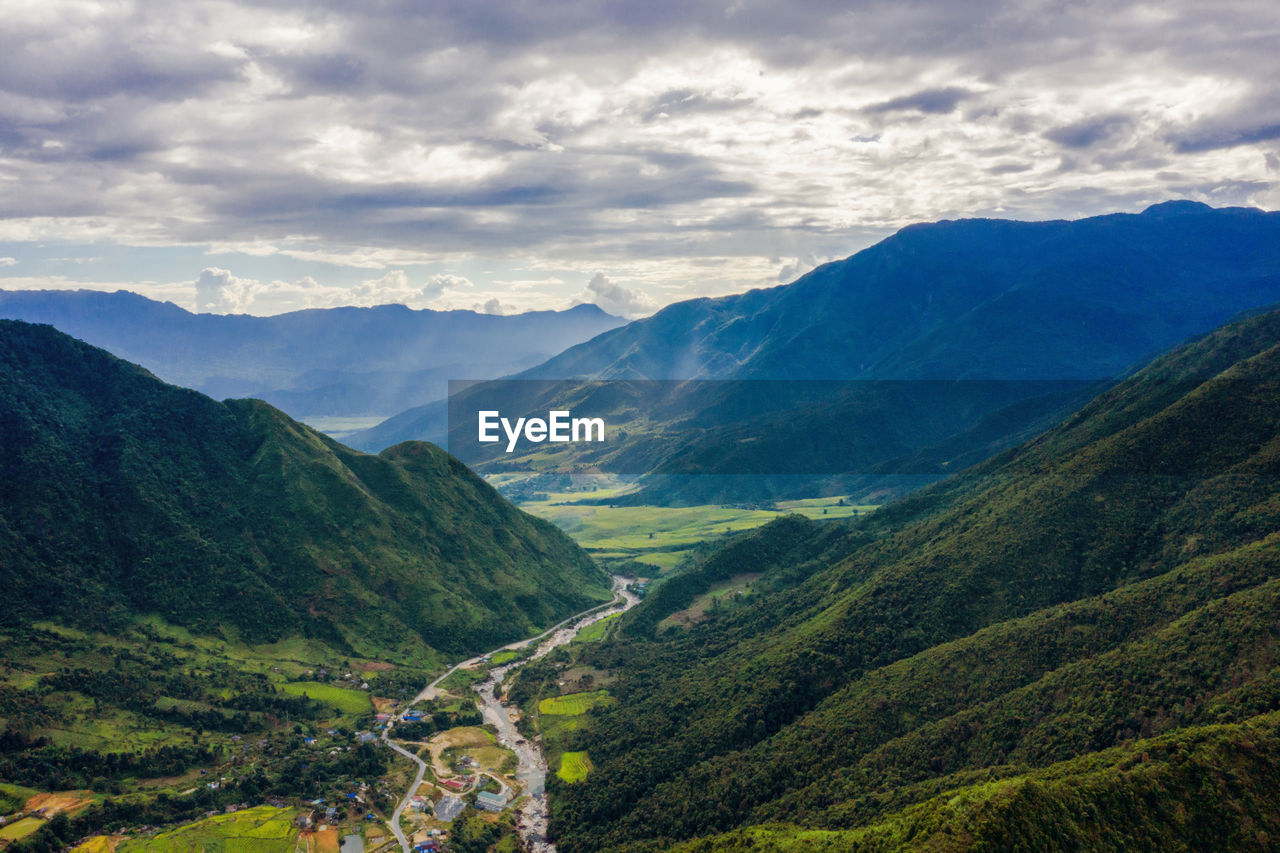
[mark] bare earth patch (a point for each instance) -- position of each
(59, 801)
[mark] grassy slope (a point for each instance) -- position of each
(662, 536)
(121, 495)
(1116, 579)
(1201, 788)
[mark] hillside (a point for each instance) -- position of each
(954, 300)
(1015, 658)
(121, 496)
(335, 362)
(976, 298)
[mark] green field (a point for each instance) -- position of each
(13, 796)
(574, 767)
(350, 702)
(505, 657)
(697, 609)
(20, 829)
(261, 829)
(339, 427)
(660, 536)
(573, 704)
(595, 631)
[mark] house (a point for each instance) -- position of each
(491, 802)
(449, 808)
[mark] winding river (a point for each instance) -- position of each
(531, 764)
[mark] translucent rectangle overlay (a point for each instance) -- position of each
(750, 427)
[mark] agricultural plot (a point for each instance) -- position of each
(697, 609)
(574, 704)
(660, 536)
(262, 829)
(13, 796)
(574, 767)
(595, 631)
(20, 828)
(344, 700)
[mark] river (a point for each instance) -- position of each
(531, 764)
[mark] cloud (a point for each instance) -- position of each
(441, 283)
(616, 299)
(220, 292)
(1211, 136)
(492, 306)
(8, 262)
(794, 269)
(925, 101)
(455, 136)
(1090, 131)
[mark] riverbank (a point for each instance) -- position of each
(531, 765)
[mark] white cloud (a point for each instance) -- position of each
(442, 283)
(679, 140)
(616, 299)
(220, 292)
(8, 262)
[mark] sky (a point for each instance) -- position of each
(509, 156)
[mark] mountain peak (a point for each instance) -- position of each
(1176, 207)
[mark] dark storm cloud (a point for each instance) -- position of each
(319, 73)
(1209, 137)
(1090, 131)
(926, 101)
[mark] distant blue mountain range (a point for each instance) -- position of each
(337, 362)
(1089, 299)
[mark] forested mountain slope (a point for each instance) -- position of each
(1090, 299)
(1116, 579)
(122, 496)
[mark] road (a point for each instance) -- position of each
(531, 765)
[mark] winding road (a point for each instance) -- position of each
(531, 765)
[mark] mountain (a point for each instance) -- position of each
(122, 497)
(969, 300)
(335, 362)
(1073, 645)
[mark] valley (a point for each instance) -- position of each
(963, 578)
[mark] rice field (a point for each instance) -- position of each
(20, 828)
(574, 767)
(573, 704)
(262, 829)
(351, 702)
(661, 536)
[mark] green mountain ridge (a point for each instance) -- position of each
(1113, 581)
(122, 496)
(1019, 303)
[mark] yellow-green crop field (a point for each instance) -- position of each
(352, 702)
(573, 704)
(660, 536)
(262, 829)
(20, 828)
(574, 767)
